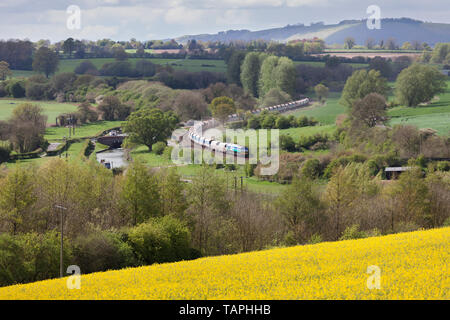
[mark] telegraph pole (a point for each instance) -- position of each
(61, 249)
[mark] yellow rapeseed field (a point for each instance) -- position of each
(412, 266)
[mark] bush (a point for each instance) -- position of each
(446, 222)
(282, 122)
(12, 256)
(4, 154)
(311, 169)
(86, 67)
(159, 147)
(30, 257)
(118, 69)
(160, 240)
(101, 251)
(16, 88)
(37, 91)
(145, 68)
(287, 143)
(315, 238)
(353, 233)
(3, 92)
(443, 166)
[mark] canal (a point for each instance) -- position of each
(116, 157)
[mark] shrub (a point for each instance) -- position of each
(101, 251)
(118, 69)
(37, 91)
(282, 122)
(160, 240)
(30, 257)
(86, 67)
(446, 222)
(353, 232)
(4, 154)
(16, 88)
(315, 238)
(12, 256)
(311, 169)
(159, 147)
(443, 166)
(287, 143)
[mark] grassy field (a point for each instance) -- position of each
(150, 158)
(436, 115)
(296, 133)
(86, 130)
(322, 64)
(326, 114)
(69, 65)
(193, 65)
(51, 108)
(411, 265)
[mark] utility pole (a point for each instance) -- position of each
(65, 146)
(61, 249)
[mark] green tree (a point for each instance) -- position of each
(419, 83)
(440, 52)
(321, 92)
(208, 202)
(285, 74)
(267, 79)
(250, 70)
(299, 206)
(16, 196)
(349, 42)
(113, 109)
(234, 67)
(45, 61)
(360, 84)
(371, 110)
(222, 107)
(5, 72)
(171, 190)
(68, 46)
(150, 125)
(346, 186)
(222, 111)
(27, 127)
(410, 196)
(140, 193)
(277, 73)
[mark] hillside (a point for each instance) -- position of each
(401, 30)
(413, 266)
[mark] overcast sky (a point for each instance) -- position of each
(161, 19)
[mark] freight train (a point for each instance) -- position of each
(231, 148)
(280, 108)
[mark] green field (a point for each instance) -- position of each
(51, 109)
(436, 115)
(296, 133)
(192, 65)
(84, 131)
(322, 64)
(69, 65)
(326, 114)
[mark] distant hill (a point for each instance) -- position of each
(402, 30)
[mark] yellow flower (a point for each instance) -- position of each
(412, 266)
